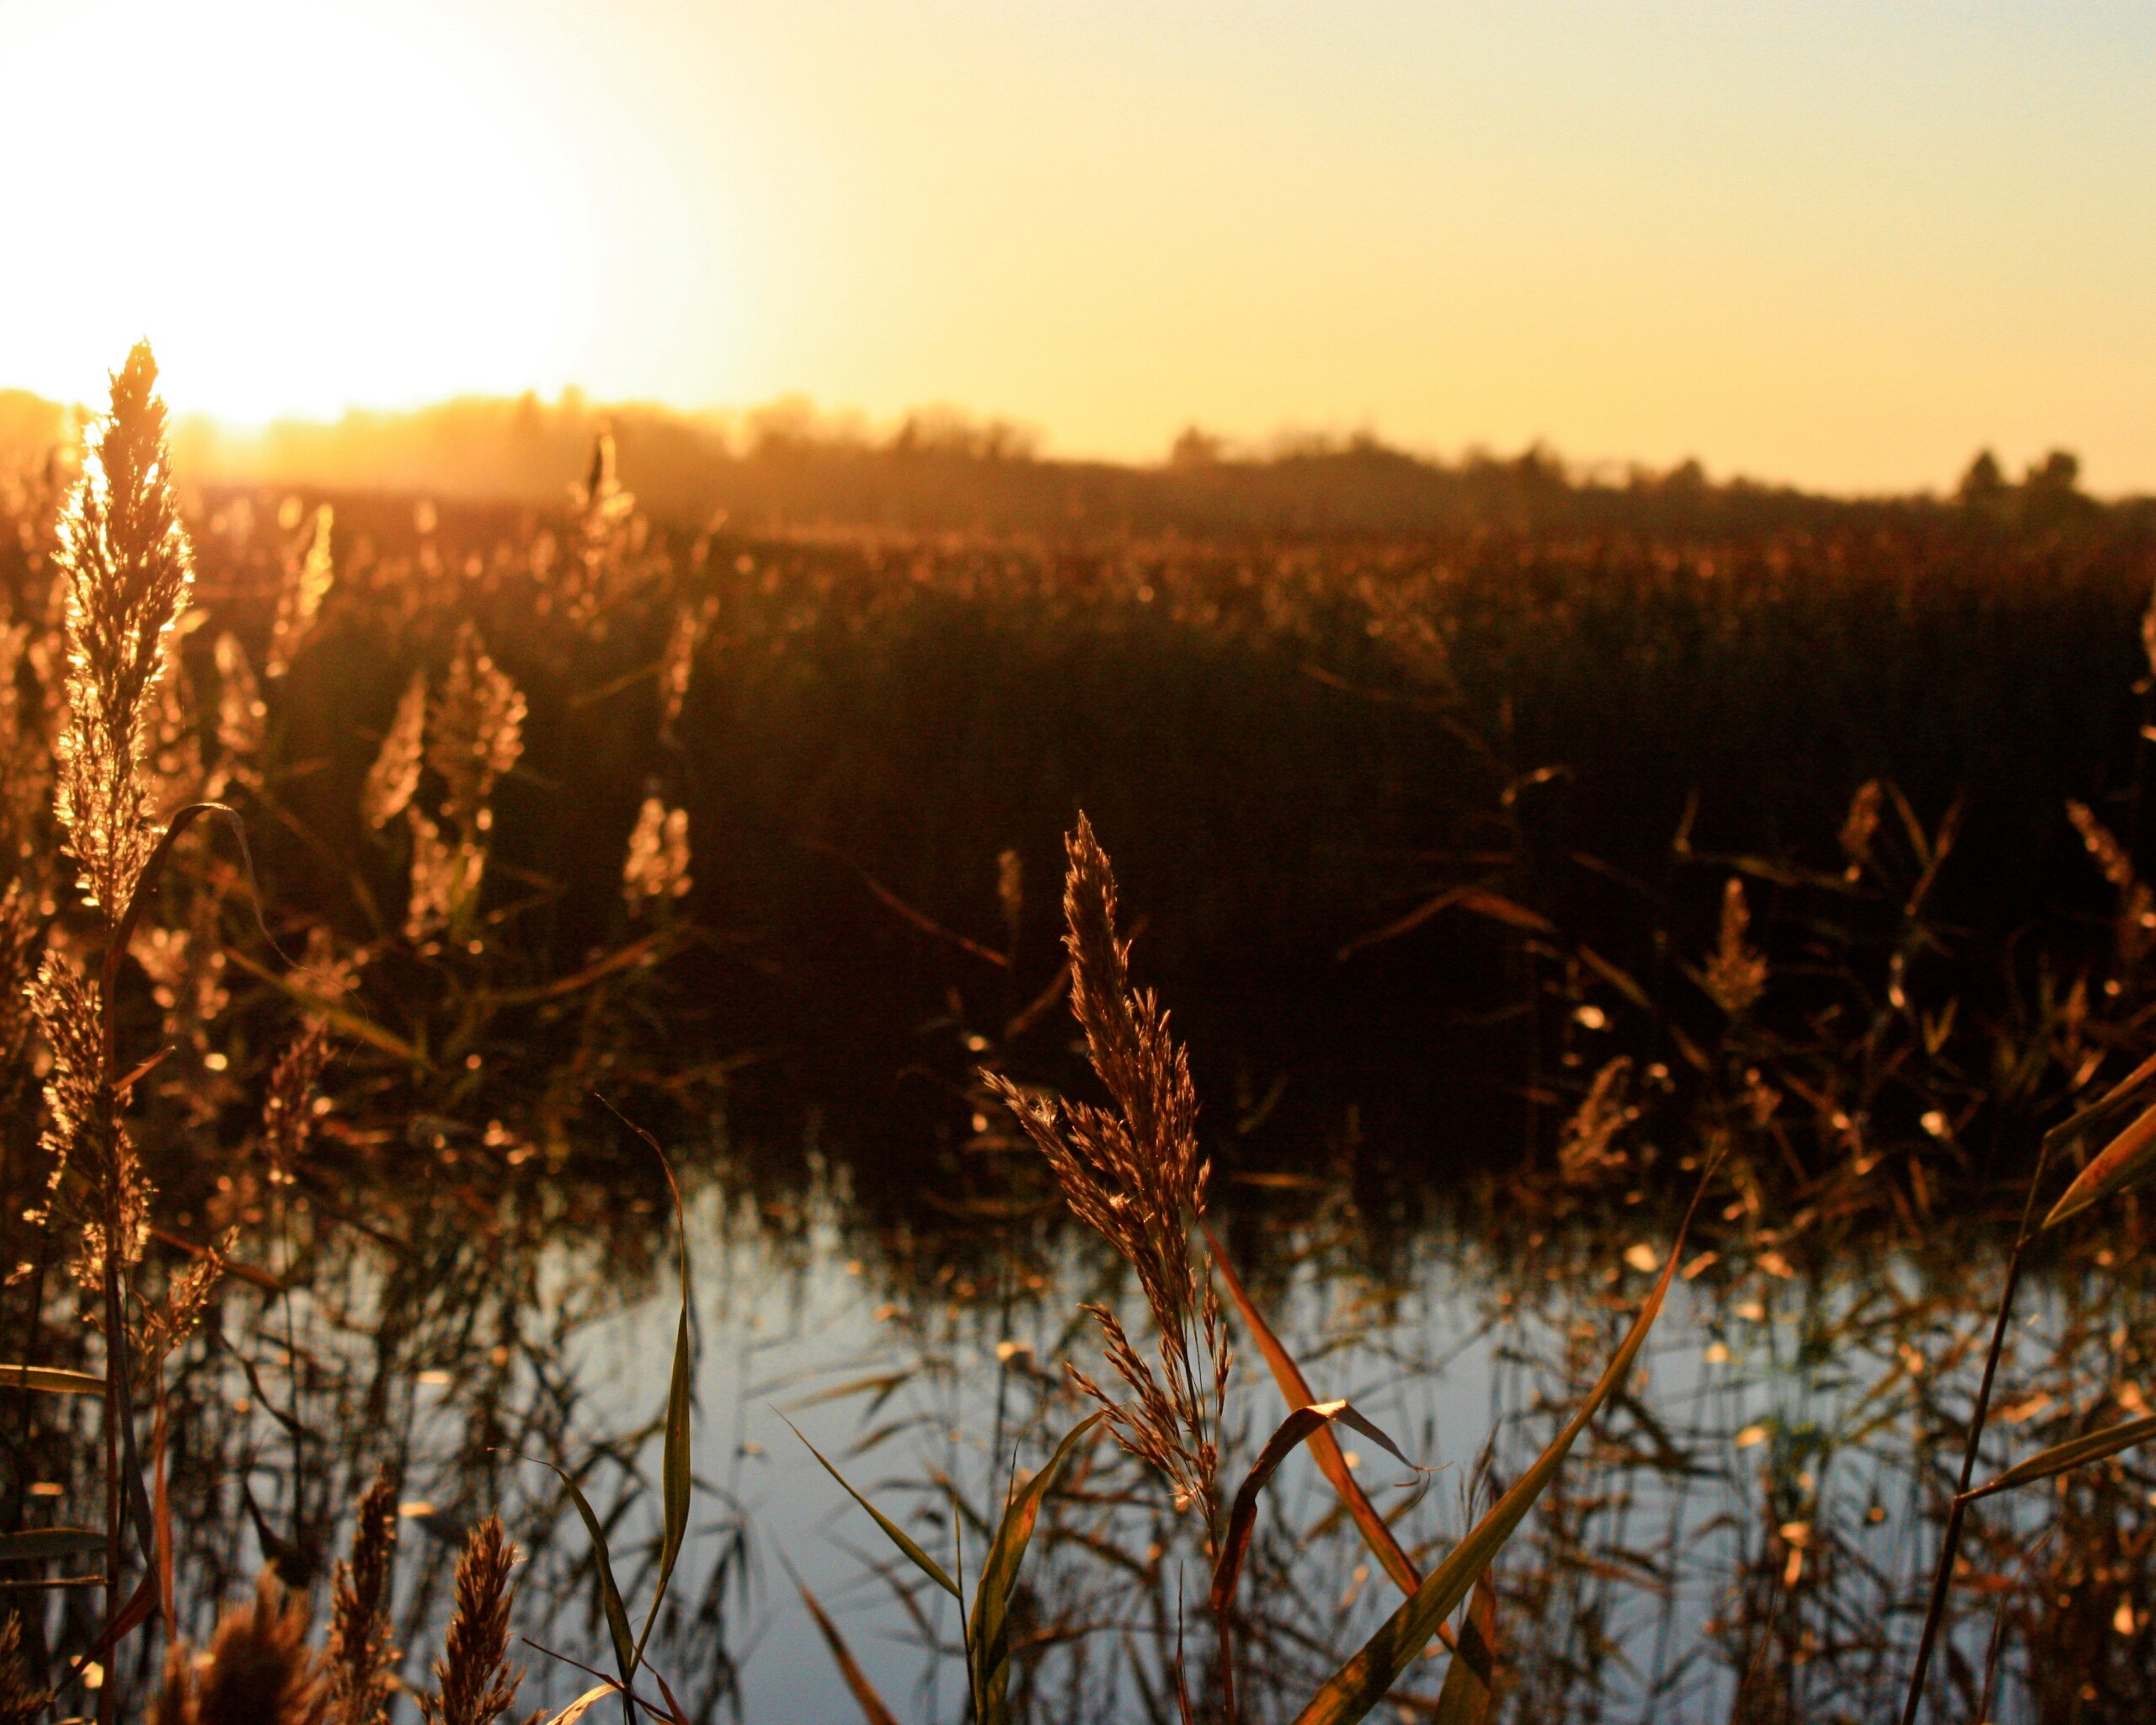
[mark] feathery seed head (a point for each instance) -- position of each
(298, 604)
(288, 1110)
(20, 1703)
(261, 1671)
(658, 865)
(129, 570)
(1736, 974)
(394, 777)
(360, 1653)
(1135, 1177)
(478, 1685)
(475, 731)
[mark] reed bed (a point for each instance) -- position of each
(322, 977)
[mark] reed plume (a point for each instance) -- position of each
(475, 731)
(261, 1671)
(242, 715)
(19, 938)
(20, 1700)
(1135, 1177)
(477, 1683)
(96, 1187)
(606, 528)
(360, 1652)
(657, 864)
(1859, 826)
(288, 1110)
(1587, 1152)
(128, 570)
(2137, 919)
(1736, 974)
(394, 779)
(300, 600)
(677, 663)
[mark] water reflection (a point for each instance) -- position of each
(1747, 1534)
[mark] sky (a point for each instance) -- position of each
(1843, 245)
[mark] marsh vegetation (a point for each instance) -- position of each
(1634, 952)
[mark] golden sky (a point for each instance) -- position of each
(1843, 245)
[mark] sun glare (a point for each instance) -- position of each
(303, 205)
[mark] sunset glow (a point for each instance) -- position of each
(1841, 245)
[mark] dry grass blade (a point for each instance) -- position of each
(583, 1704)
(37, 1544)
(864, 1692)
(1351, 1692)
(1470, 1693)
(1325, 1448)
(2074, 1452)
(2124, 1159)
(53, 1380)
(1302, 1423)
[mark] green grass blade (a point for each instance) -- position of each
(897, 1535)
(864, 1692)
(2074, 1452)
(1357, 1687)
(675, 1470)
(988, 1636)
(36, 1544)
(53, 1380)
(625, 1653)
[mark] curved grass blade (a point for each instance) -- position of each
(988, 1630)
(610, 1595)
(1325, 1448)
(675, 1468)
(2074, 1452)
(36, 1544)
(897, 1535)
(1297, 1428)
(578, 1708)
(864, 1692)
(1360, 1685)
(2124, 1159)
(53, 1380)
(1470, 1685)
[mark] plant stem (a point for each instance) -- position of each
(1942, 1580)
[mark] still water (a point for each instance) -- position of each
(1747, 1532)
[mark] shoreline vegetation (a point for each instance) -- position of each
(361, 849)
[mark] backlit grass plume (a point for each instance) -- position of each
(478, 1685)
(1135, 1177)
(129, 570)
